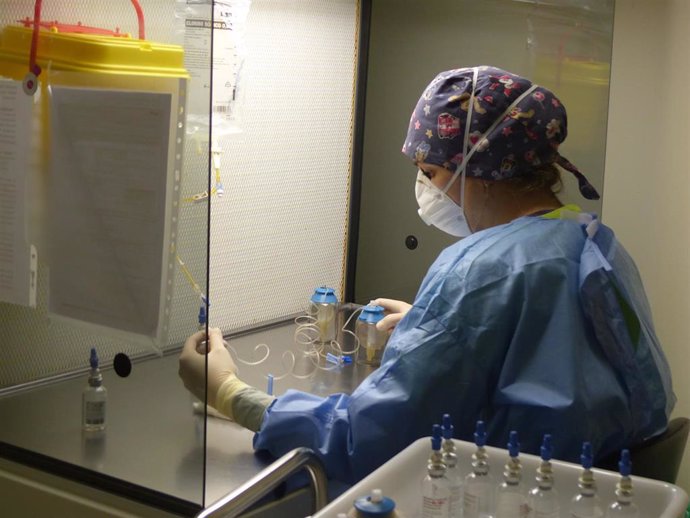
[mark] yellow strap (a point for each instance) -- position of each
(557, 214)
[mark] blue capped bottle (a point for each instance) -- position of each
(543, 499)
(453, 473)
(324, 307)
(479, 487)
(94, 397)
(511, 497)
(371, 340)
(374, 506)
(587, 503)
(435, 486)
(624, 506)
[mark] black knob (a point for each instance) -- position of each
(122, 365)
(411, 242)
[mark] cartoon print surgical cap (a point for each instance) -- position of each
(509, 142)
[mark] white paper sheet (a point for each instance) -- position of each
(109, 166)
(18, 258)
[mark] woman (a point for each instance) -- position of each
(536, 321)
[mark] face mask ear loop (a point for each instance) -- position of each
(465, 142)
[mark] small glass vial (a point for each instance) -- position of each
(511, 497)
(586, 504)
(543, 499)
(435, 487)
(374, 506)
(624, 506)
(371, 340)
(324, 307)
(479, 485)
(453, 473)
(94, 398)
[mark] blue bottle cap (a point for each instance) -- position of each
(324, 295)
(513, 444)
(93, 359)
(586, 458)
(447, 427)
(374, 505)
(202, 315)
(546, 449)
(371, 314)
(480, 434)
(436, 437)
(625, 465)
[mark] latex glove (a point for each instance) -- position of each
(221, 367)
(394, 310)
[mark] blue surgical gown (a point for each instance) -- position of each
(535, 326)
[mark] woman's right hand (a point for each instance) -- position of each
(394, 309)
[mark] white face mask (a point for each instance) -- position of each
(438, 209)
(435, 206)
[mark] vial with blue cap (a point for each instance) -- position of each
(324, 307)
(435, 485)
(511, 495)
(624, 506)
(453, 473)
(94, 397)
(543, 499)
(375, 505)
(478, 497)
(586, 504)
(371, 340)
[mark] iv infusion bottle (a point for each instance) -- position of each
(543, 499)
(371, 340)
(453, 474)
(511, 497)
(93, 398)
(586, 504)
(624, 507)
(479, 485)
(435, 487)
(324, 307)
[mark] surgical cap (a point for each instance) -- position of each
(517, 140)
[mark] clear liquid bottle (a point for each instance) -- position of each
(93, 398)
(453, 473)
(511, 497)
(479, 488)
(324, 306)
(624, 506)
(371, 340)
(587, 503)
(435, 487)
(543, 499)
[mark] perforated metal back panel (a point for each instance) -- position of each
(280, 230)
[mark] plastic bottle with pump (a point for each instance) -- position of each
(94, 398)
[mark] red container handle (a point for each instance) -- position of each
(30, 81)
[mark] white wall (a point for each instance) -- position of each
(647, 180)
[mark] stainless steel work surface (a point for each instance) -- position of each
(153, 438)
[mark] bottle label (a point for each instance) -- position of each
(94, 412)
(512, 504)
(455, 500)
(470, 504)
(434, 507)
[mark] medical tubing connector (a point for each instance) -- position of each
(480, 459)
(586, 479)
(624, 487)
(544, 476)
(513, 468)
(436, 467)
